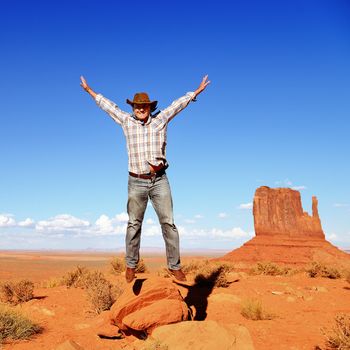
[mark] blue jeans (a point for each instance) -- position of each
(158, 190)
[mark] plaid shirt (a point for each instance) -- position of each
(146, 142)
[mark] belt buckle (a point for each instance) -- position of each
(153, 176)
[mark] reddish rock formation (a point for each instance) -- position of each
(147, 304)
(285, 233)
(278, 211)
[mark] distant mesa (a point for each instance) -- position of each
(284, 233)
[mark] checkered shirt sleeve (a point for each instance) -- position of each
(112, 109)
(177, 106)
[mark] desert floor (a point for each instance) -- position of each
(303, 306)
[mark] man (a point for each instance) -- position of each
(146, 141)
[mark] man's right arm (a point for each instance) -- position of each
(108, 106)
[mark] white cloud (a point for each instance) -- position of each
(152, 231)
(214, 233)
(340, 205)
(103, 224)
(299, 188)
(122, 217)
(246, 206)
(150, 221)
(235, 232)
(190, 221)
(198, 216)
(332, 236)
(222, 215)
(288, 183)
(7, 220)
(62, 222)
(26, 223)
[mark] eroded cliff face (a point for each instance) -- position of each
(284, 233)
(278, 211)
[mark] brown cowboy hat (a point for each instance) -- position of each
(142, 98)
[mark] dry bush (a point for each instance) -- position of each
(252, 309)
(225, 265)
(118, 265)
(52, 283)
(76, 278)
(14, 325)
(270, 269)
(163, 272)
(194, 266)
(141, 267)
(16, 292)
(347, 276)
(212, 275)
(340, 336)
(101, 293)
(317, 269)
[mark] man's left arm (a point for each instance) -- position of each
(181, 103)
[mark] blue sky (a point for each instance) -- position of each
(276, 114)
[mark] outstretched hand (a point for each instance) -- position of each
(83, 83)
(204, 83)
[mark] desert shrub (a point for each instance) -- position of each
(340, 336)
(212, 275)
(52, 283)
(14, 325)
(194, 266)
(16, 292)
(317, 269)
(76, 278)
(252, 309)
(101, 293)
(118, 265)
(163, 272)
(270, 269)
(347, 276)
(141, 267)
(225, 265)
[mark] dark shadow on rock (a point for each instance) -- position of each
(136, 288)
(138, 334)
(39, 297)
(347, 288)
(198, 294)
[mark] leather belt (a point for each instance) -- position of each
(149, 175)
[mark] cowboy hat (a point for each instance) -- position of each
(142, 98)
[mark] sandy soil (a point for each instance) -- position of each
(302, 305)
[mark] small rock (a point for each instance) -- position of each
(276, 292)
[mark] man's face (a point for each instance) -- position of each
(142, 111)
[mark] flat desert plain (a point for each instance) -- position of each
(303, 308)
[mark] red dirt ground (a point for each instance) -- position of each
(302, 305)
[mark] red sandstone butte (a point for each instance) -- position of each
(284, 233)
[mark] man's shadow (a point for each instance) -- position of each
(198, 294)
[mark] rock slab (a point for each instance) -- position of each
(147, 304)
(204, 335)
